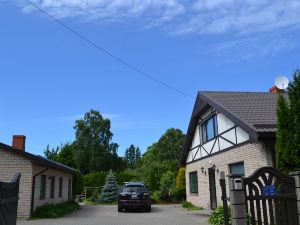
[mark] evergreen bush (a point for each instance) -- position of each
(110, 190)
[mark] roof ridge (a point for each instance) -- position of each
(251, 92)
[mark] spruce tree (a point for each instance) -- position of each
(110, 190)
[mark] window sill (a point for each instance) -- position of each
(194, 194)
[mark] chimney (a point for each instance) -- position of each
(275, 90)
(19, 142)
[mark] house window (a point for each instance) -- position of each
(43, 187)
(209, 129)
(60, 187)
(194, 182)
(237, 168)
(52, 187)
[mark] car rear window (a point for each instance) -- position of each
(135, 188)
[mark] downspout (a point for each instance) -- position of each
(33, 189)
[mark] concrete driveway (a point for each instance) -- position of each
(108, 215)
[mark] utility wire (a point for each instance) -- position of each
(116, 58)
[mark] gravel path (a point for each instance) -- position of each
(108, 215)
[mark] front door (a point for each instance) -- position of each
(212, 188)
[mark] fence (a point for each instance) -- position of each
(265, 197)
(9, 196)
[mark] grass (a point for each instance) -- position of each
(55, 210)
(89, 202)
(189, 206)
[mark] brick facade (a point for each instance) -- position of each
(254, 155)
(57, 174)
(11, 163)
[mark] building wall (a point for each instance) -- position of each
(57, 174)
(10, 164)
(254, 155)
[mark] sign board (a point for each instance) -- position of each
(269, 190)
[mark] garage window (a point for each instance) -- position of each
(193, 182)
(237, 168)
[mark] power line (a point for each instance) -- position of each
(116, 58)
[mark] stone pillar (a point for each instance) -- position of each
(296, 176)
(237, 200)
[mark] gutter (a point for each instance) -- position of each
(33, 189)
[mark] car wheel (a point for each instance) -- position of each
(120, 209)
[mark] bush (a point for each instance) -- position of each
(217, 217)
(178, 194)
(190, 206)
(55, 210)
(155, 197)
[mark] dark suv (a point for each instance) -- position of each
(134, 195)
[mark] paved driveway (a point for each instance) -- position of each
(108, 215)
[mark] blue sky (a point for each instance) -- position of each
(50, 78)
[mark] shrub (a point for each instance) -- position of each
(55, 210)
(155, 197)
(110, 191)
(217, 217)
(178, 194)
(190, 206)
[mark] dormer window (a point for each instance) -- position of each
(209, 129)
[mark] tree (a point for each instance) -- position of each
(93, 143)
(167, 184)
(52, 153)
(67, 155)
(132, 155)
(288, 128)
(110, 190)
(169, 145)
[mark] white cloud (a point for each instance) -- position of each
(248, 23)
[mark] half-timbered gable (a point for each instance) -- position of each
(232, 132)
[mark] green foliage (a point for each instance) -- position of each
(180, 179)
(51, 153)
(55, 210)
(161, 157)
(155, 197)
(178, 194)
(110, 190)
(132, 155)
(67, 155)
(77, 183)
(167, 183)
(93, 144)
(190, 206)
(217, 217)
(95, 196)
(288, 128)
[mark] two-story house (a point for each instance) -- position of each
(228, 131)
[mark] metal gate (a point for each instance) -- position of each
(9, 195)
(270, 198)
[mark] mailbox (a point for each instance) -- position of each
(238, 183)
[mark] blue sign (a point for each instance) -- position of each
(269, 190)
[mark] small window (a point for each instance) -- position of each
(60, 187)
(209, 129)
(43, 187)
(237, 168)
(52, 187)
(194, 182)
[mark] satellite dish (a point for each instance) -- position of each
(282, 82)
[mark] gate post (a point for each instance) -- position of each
(296, 176)
(237, 200)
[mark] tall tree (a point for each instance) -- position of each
(132, 155)
(93, 142)
(67, 155)
(51, 153)
(288, 128)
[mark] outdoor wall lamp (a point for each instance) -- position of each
(202, 169)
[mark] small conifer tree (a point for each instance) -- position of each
(110, 190)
